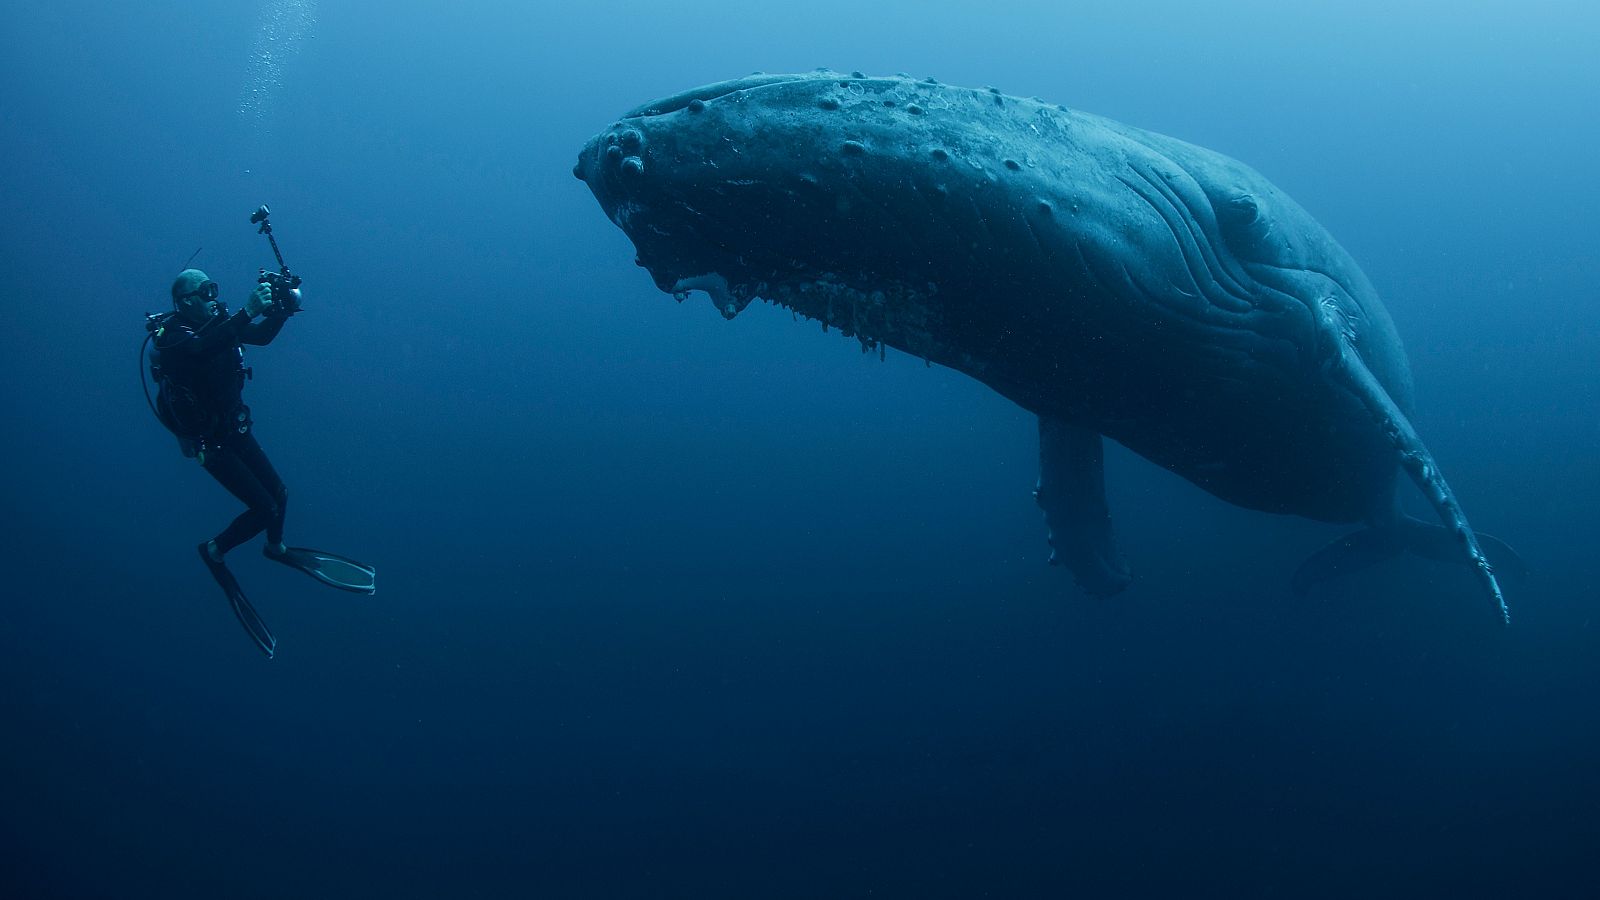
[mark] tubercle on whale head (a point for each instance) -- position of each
(782, 148)
(775, 187)
(706, 181)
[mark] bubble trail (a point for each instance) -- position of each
(284, 27)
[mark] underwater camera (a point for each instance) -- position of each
(285, 291)
(285, 284)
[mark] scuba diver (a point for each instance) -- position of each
(197, 359)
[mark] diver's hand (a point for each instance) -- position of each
(259, 300)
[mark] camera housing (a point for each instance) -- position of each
(285, 291)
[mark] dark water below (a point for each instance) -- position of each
(672, 607)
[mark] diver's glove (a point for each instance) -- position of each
(260, 300)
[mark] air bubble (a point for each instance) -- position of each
(284, 26)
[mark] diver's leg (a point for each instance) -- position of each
(1072, 493)
(232, 472)
(255, 459)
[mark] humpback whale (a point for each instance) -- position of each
(1115, 282)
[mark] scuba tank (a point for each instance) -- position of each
(177, 414)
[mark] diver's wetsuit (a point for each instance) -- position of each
(202, 401)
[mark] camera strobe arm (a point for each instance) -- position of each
(260, 216)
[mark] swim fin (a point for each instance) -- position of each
(331, 569)
(248, 617)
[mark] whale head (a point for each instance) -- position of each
(820, 192)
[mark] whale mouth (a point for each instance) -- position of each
(730, 300)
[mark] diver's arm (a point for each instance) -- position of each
(258, 303)
(215, 338)
(261, 333)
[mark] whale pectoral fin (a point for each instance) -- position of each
(1360, 549)
(1341, 556)
(1345, 365)
(1434, 542)
(1072, 493)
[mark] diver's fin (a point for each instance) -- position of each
(248, 617)
(331, 569)
(1346, 365)
(1072, 493)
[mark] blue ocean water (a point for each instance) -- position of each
(676, 607)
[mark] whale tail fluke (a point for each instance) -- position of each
(1362, 549)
